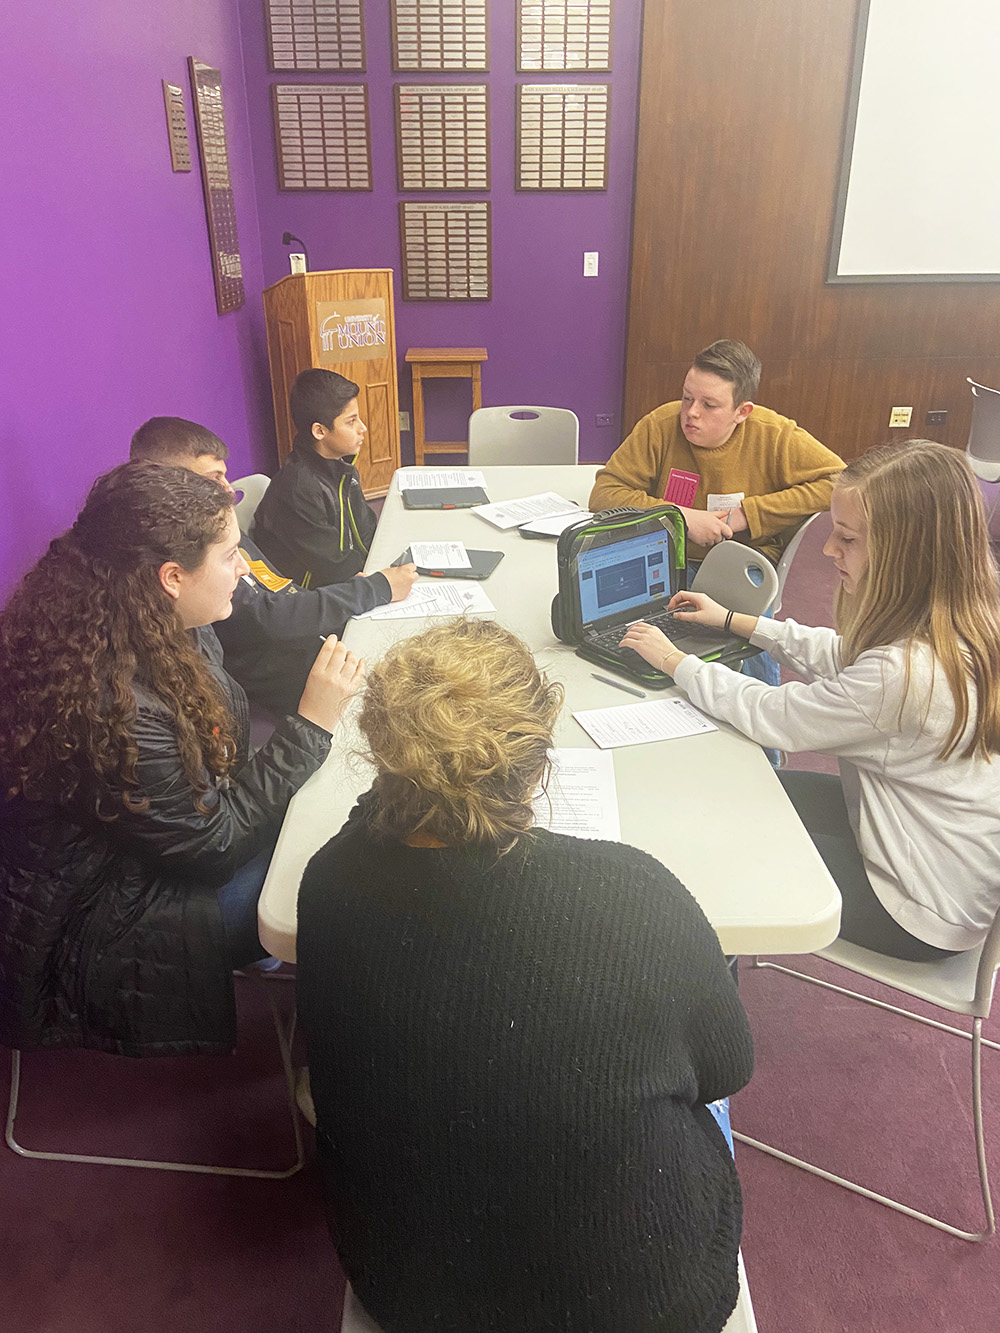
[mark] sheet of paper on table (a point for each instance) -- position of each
(440, 555)
(512, 513)
(440, 479)
(581, 798)
(551, 527)
(434, 599)
(637, 724)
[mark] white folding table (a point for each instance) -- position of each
(709, 807)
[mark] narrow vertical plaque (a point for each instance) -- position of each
(322, 136)
(446, 251)
(316, 34)
(563, 34)
(177, 130)
(442, 140)
(220, 207)
(562, 136)
(439, 35)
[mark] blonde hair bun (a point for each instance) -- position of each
(459, 722)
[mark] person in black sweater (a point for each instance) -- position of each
(271, 639)
(512, 1034)
(314, 521)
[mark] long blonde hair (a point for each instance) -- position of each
(931, 577)
(459, 723)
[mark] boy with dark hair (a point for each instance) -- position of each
(731, 467)
(314, 520)
(270, 640)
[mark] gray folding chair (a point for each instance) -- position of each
(962, 985)
(787, 556)
(738, 578)
(253, 488)
(510, 436)
(983, 447)
(193, 1168)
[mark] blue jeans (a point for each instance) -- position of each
(238, 905)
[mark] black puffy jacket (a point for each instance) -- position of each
(110, 931)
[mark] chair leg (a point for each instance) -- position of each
(978, 1041)
(195, 1168)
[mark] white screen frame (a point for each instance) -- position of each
(919, 189)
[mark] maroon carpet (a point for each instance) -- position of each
(105, 1250)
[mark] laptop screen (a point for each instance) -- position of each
(623, 576)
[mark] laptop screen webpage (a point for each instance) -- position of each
(617, 579)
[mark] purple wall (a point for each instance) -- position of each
(108, 305)
(553, 336)
(109, 309)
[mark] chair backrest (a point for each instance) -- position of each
(509, 436)
(787, 556)
(253, 488)
(737, 577)
(356, 1318)
(983, 448)
(989, 961)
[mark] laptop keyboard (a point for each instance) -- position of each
(676, 631)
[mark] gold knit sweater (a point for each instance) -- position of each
(784, 473)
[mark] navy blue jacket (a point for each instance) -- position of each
(273, 635)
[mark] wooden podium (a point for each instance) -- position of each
(340, 320)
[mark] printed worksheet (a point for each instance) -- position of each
(434, 599)
(439, 479)
(512, 513)
(440, 555)
(638, 724)
(551, 527)
(581, 797)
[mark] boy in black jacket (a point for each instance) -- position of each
(314, 521)
(271, 639)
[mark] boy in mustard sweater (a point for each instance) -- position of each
(732, 468)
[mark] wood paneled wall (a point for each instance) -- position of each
(740, 128)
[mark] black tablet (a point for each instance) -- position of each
(481, 566)
(446, 497)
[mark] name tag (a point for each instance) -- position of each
(725, 501)
(265, 575)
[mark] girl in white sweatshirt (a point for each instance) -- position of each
(906, 693)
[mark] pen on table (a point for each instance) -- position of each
(641, 694)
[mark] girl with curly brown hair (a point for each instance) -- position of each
(135, 830)
(512, 1034)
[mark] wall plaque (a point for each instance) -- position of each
(439, 34)
(321, 136)
(446, 251)
(177, 130)
(442, 137)
(220, 207)
(563, 34)
(562, 136)
(315, 34)
(351, 331)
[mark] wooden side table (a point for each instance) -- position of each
(442, 363)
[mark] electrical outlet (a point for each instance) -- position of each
(602, 419)
(404, 421)
(937, 418)
(900, 416)
(590, 263)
